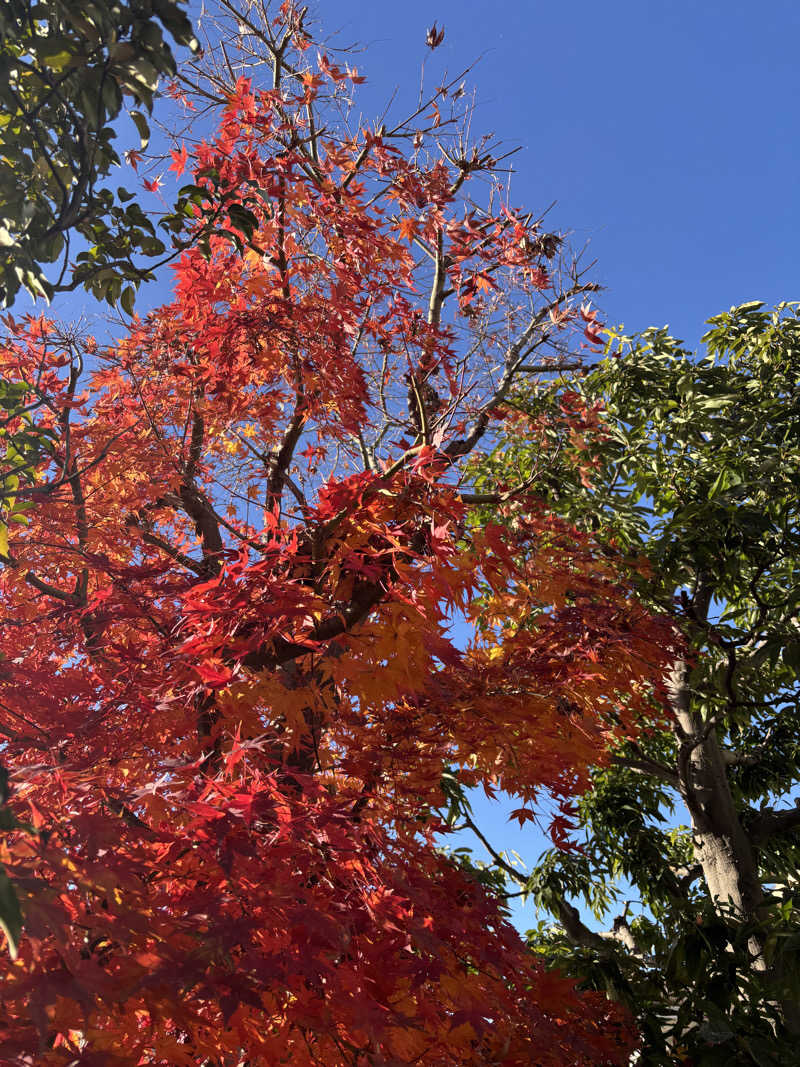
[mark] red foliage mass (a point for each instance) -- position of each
(228, 691)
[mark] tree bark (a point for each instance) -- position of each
(722, 846)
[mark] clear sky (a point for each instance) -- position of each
(664, 133)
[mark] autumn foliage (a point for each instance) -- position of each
(229, 689)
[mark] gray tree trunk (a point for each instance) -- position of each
(722, 846)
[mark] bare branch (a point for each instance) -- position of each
(50, 590)
(198, 568)
(515, 356)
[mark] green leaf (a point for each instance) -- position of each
(10, 914)
(100, 55)
(128, 299)
(142, 127)
(56, 52)
(696, 464)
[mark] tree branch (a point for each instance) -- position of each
(515, 356)
(644, 765)
(772, 821)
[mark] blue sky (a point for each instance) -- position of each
(664, 133)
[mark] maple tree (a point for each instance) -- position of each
(229, 693)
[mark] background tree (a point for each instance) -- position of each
(229, 699)
(692, 463)
(66, 70)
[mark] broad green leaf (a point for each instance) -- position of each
(142, 126)
(10, 914)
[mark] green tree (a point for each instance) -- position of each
(690, 465)
(66, 70)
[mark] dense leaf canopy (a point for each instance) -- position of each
(693, 462)
(228, 693)
(66, 70)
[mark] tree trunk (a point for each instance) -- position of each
(722, 847)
